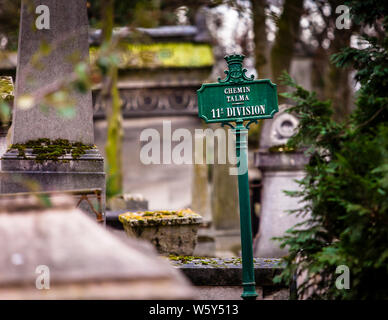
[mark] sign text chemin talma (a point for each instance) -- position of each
(237, 97)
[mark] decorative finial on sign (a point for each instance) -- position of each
(234, 58)
(235, 74)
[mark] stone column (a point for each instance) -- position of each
(224, 202)
(61, 27)
(279, 171)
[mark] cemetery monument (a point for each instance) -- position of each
(52, 147)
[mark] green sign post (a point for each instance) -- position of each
(238, 98)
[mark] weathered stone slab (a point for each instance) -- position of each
(91, 161)
(24, 175)
(67, 38)
(222, 292)
(88, 200)
(226, 272)
(129, 202)
(84, 260)
(220, 279)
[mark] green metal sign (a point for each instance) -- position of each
(237, 97)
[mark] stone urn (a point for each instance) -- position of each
(171, 232)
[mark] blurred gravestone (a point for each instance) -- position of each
(53, 38)
(47, 248)
(67, 44)
(279, 171)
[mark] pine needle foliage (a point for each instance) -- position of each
(345, 191)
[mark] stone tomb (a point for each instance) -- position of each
(63, 27)
(279, 171)
(46, 254)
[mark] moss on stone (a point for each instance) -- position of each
(189, 259)
(160, 217)
(281, 148)
(6, 88)
(224, 263)
(45, 149)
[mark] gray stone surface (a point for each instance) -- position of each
(165, 186)
(206, 244)
(276, 294)
(129, 202)
(3, 140)
(274, 218)
(67, 41)
(234, 293)
(224, 196)
(278, 130)
(200, 190)
(222, 292)
(20, 175)
(87, 200)
(169, 235)
(227, 242)
(91, 161)
(180, 239)
(279, 172)
(83, 265)
(228, 271)
(17, 181)
(205, 247)
(280, 161)
(220, 279)
(68, 38)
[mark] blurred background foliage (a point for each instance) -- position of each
(282, 29)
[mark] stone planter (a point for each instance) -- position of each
(171, 232)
